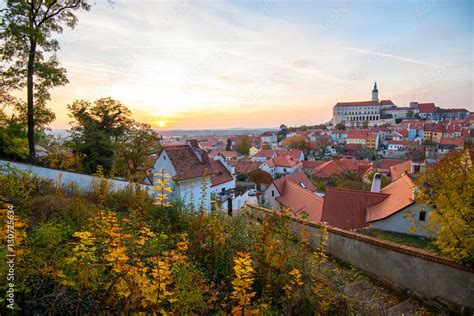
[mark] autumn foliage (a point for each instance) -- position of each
(120, 252)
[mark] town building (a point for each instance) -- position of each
(265, 154)
(357, 136)
(280, 166)
(223, 180)
(190, 171)
(297, 193)
(361, 113)
(399, 212)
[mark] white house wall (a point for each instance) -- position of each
(226, 186)
(399, 222)
(190, 192)
(269, 200)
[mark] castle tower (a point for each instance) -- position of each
(375, 93)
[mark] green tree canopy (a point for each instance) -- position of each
(97, 130)
(340, 127)
(28, 50)
(244, 144)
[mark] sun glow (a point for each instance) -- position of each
(161, 123)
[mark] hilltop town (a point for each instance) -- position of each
(367, 144)
(118, 195)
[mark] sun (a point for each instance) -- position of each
(161, 123)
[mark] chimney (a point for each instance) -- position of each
(376, 183)
(193, 143)
(413, 104)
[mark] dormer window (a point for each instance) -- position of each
(302, 185)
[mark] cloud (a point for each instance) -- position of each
(409, 60)
(204, 60)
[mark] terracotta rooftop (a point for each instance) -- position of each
(298, 178)
(385, 164)
(268, 153)
(403, 142)
(245, 166)
(426, 107)
(186, 162)
(285, 161)
(400, 195)
(307, 164)
(225, 153)
(364, 103)
(433, 127)
(396, 171)
(346, 209)
(337, 167)
(357, 134)
(221, 173)
(301, 201)
(458, 141)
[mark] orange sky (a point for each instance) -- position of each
(222, 65)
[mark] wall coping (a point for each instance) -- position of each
(426, 255)
(9, 162)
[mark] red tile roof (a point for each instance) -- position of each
(295, 153)
(224, 153)
(385, 164)
(312, 164)
(286, 161)
(357, 134)
(404, 142)
(458, 142)
(364, 103)
(404, 132)
(297, 178)
(221, 175)
(426, 107)
(245, 166)
(301, 201)
(346, 209)
(400, 196)
(433, 127)
(337, 167)
(186, 162)
(396, 171)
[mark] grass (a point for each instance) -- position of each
(404, 239)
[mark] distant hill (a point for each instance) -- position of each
(215, 132)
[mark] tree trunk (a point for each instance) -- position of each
(30, 100)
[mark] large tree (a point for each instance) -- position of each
(97, 129)
(295, 142)
(340, 126)
(243, 145)
(134, 150)
(321, 145)
(447, 187)
(104, 134)
(29, 51)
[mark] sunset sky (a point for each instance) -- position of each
(218, 64)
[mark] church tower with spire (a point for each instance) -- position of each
(375, 93)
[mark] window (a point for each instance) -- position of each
(164, 157)
(273, 193)
(422, 216)
(284, 169)
(302, 185)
